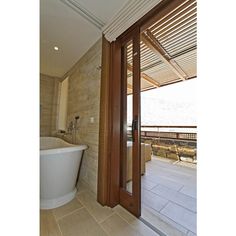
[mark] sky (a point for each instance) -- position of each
(169, 105)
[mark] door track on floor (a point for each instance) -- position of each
(152, 227)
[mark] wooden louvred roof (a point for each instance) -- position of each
(168, 48)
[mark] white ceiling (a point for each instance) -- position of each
(63, 27)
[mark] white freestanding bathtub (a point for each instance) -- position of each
(59, 167)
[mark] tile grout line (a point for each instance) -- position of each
(59, 228)
(154, 187)
(163, 206)
(175, 223)
(126, 220)
(67, 214)
(113, 213)
(181, 189)
(187, 194)
(169, 201)
(143, 203)
(170, 176)
(103, 228)
(178, 203)
(57, 223)
(166, 179)
(92, 214)
(172, 184)
(94, 217)
(192, 232)
(132, 225)
(99, 223)
(176, 169)
(172, 190)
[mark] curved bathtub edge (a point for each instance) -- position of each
(57, 202)
(64, 149)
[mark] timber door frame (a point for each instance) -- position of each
(110, 129)
(130, 200)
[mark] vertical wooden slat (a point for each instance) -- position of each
(104, 130)
(115, 124)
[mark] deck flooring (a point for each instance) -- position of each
(169, 196)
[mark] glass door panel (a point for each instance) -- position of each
(129, 117)
(130, 151)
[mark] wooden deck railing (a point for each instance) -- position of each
(173, 142)
(160, 132)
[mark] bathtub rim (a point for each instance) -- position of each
(69, 148)
(51, 151)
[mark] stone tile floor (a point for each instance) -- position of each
(84, 216)
(169, 196)
(168, 203)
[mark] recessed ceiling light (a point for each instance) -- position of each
(56, 48)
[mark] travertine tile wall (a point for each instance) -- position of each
(84, 100)
(49, 88)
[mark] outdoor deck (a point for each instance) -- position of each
(169, 196)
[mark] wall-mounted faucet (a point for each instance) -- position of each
(73, 127)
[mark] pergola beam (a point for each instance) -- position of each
(145, 77)
(152, 43)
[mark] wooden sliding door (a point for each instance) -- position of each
(130, 179)
(119, 148)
